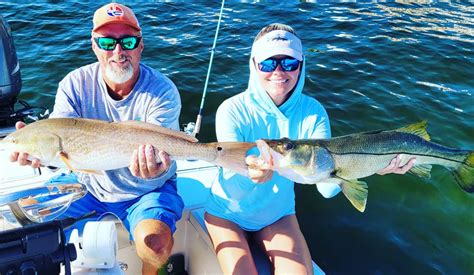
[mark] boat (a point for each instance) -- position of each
(192, 252)
(103, 246)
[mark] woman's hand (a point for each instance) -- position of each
(394, 166)
(259, 170)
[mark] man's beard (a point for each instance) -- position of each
(119, 75)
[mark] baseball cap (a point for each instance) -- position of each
(114, 13)
(277, 42)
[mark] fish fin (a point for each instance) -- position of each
(423, 171)
(464, 174)
(356, 191)
(418, 129)
(65, 159)
(231, 155)
(157, 128)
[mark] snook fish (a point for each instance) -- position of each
(88, 145)
(343, 160)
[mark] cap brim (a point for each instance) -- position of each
(117, 22)
(279, 51)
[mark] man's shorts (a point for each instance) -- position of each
(162, 204)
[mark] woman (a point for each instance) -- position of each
(263, 205)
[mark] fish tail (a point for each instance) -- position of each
(464, 174)
(231, 155)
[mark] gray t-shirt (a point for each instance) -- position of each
(154, 98)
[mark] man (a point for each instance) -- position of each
(119, 88)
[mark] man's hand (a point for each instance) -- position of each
(259, 170)
(394, 166)
(146, 164)
(22, 158)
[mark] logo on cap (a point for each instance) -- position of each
(277, 38)
(114, 11)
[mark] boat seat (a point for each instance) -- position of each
(260, 258)
(261, 261)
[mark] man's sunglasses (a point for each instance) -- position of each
(287, 64)
(109, 43)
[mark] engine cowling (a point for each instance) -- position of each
(10, 77)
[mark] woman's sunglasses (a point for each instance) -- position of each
(287, 64)
(109, 43)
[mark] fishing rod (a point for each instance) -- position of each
(194, 128)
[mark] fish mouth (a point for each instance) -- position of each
(281, 146)
(272, 142)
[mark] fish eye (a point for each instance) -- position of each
(289, 146)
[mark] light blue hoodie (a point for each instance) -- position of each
(253, 115)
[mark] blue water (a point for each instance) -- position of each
(372, 65)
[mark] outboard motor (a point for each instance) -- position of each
(10, 78)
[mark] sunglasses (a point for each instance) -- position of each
(109, 43)
(287, 64)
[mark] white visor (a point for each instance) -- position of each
(278, 42)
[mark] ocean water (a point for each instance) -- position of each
(372, 65)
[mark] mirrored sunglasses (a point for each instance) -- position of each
(109, 43)
(288, 64)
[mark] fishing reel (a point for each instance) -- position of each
(189, 128)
